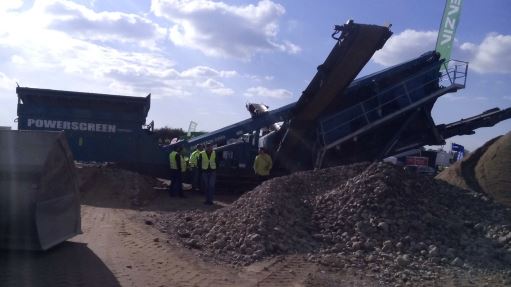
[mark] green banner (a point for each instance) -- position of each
(448, 27)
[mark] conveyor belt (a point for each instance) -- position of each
(355, 47)
(467, 126)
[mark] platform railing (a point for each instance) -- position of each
(413, 91)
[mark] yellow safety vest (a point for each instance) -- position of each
(173, 162)
(208, 163)
(193, 158)
(263, 164)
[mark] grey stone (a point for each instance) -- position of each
(383, 226)
(434, 251)
(403, 260)
(457, 262)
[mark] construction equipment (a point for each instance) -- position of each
(39, 200)
(378, 115)
(355, 45)
(337, 120)
(467, 126)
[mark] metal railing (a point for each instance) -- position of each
(412, 91)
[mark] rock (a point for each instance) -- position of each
(505, 238)
(403, 260)
(254, 237)
(357, 245)
(193, 243)
(433, 252)
(383, 226)
(457, 262)
(387, 246)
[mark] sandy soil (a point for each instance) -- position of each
(119, 247)
(487, 169)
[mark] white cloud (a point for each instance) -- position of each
(258, 78)
(17, 59)
(493, 55)
(260, 91)
(218, 29)
(203, 71)
(84, 23)
(63, 53)
(7, 83)
(216, 87)
(6, 5)
(405, 46)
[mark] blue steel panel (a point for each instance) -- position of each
(98, 127)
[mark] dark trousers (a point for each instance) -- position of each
(176, 180)
(196, 178)
(208, 184)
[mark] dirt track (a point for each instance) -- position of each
(118, 248)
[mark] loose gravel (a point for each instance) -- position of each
(401, 226)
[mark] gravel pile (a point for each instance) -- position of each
(374, 216)
(109, 186)
(392, 221)
(274, 218)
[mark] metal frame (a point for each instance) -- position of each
(453, 72)
(395, 138)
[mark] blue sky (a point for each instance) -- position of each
(202, 60)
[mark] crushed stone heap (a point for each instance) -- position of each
(355, 215)
(110, 186)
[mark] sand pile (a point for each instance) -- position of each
(109, 186)
(488, 170)
(493, 170)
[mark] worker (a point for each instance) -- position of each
(195, 171)
(262, 165)
(177, 168)
(208, 163)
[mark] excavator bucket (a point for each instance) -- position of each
(39, 199)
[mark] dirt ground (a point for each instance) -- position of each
(119, 247)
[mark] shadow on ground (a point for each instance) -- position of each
(193, 201)
(68, 264)
(156, 199)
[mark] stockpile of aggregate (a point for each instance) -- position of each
(109, 186)
(487, 170)
(274, 218)
(373, 215)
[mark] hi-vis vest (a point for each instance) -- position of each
(173, 162)
(208, 163)
(193, 158)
